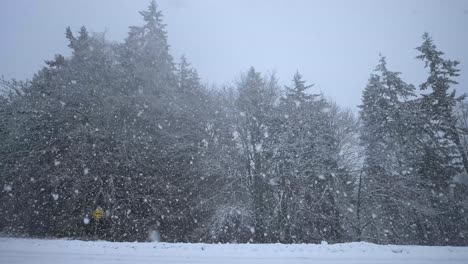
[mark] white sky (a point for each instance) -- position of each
(334, 44)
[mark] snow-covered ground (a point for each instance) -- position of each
(14, 250)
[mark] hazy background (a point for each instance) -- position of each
(334, 44)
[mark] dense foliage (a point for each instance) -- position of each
(123, 127)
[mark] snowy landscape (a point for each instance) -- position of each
(37, 251)
(125, 148)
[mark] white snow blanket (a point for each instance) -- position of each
(16, 250)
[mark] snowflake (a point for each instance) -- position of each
(7, 188)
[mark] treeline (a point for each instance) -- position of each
(123, 127)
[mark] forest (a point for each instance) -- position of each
(128, 129)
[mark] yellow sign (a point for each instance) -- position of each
(98, 214)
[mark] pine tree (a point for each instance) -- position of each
(439, 104)
(444, 157)
(389, 137)
(146, 55)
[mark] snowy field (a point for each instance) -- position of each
(78, 252)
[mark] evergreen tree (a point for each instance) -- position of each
(308, 174)
(391, 152)
(255, 104)
(145, 55)
(444, 157)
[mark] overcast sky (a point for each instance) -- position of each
(334, 44)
